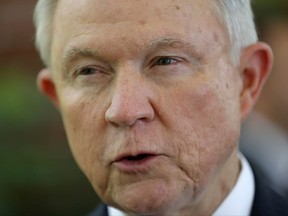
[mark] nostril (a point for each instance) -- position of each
(114, 124)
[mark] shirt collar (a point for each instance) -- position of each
(240, 199)
(114, 212)
(238, 202)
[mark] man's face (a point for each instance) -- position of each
(149, 99)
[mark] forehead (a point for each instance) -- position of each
(125, 10)
(92, 12)
(133, 22)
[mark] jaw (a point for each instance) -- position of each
(158, 193)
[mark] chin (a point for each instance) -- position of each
(150, 197)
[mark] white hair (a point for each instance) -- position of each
(44, 21)
(235, 15)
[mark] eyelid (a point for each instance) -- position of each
(79, 70)
(96, 68)
(173, 58)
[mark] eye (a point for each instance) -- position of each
(162, 61)
(87, 71)
(90, 75)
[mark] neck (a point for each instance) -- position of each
(220, 186)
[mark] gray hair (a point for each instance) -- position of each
(235, 15)
(43, 21)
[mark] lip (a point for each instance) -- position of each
(141, 162)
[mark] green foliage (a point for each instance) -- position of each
(20, 100)
(38, 175)
(267, 9)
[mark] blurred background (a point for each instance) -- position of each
(264, 135)
(37, 173)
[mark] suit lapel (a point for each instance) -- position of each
(101, 210)
(266, 201)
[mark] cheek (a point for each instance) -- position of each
(84, 126)
(205, 129)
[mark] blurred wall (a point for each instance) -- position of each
(37, 173)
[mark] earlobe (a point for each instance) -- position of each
(256, 64)
(46, 85)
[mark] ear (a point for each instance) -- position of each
(46, 85)
(256, 64)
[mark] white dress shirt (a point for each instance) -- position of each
(238, 202)
(240, 199)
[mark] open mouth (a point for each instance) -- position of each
(137, 157)
(137, 163)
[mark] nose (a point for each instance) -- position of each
(130, 103)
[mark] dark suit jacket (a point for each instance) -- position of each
(266, 201)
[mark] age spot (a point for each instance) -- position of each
(142, 22)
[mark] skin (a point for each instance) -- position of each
(129, 81)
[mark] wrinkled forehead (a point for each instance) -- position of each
(102, 22)
(111, 11)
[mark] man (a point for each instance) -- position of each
(265, 133)
(152, 95)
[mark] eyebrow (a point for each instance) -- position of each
(170, 42)
(176, 43)
(74, 53)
